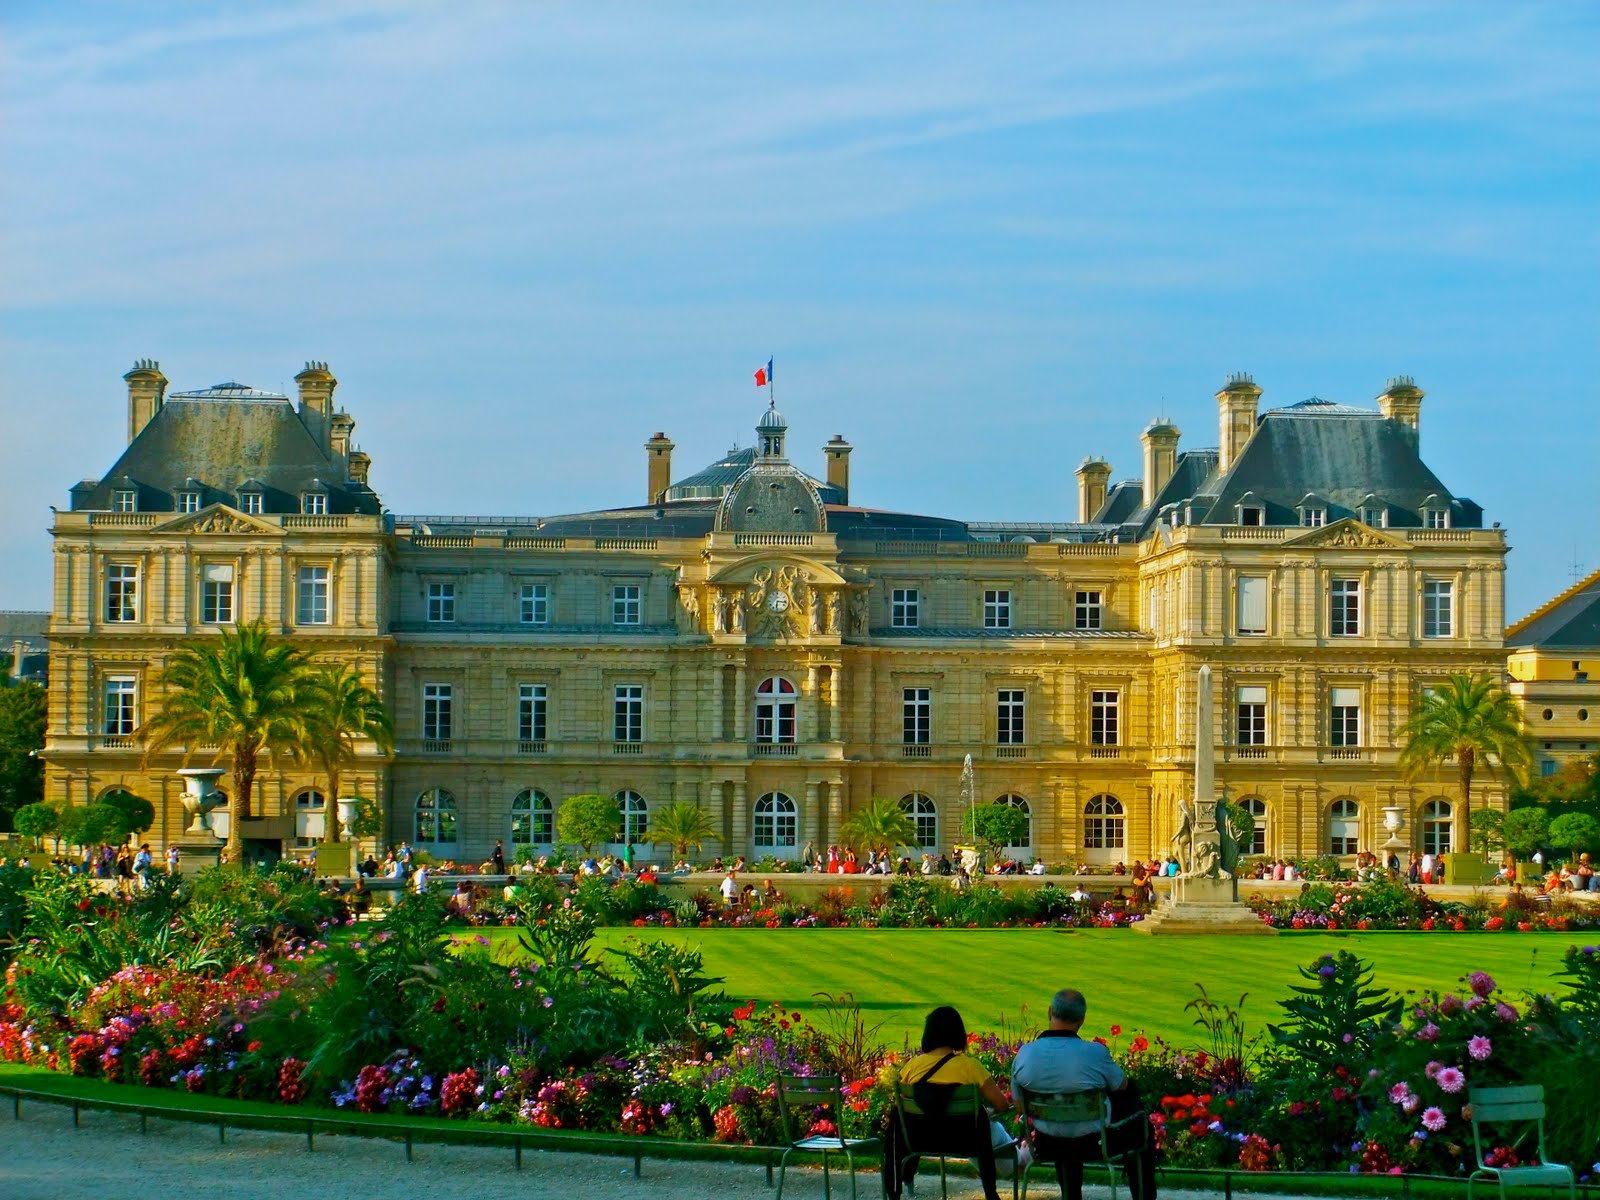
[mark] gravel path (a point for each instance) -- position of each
(43, 1157)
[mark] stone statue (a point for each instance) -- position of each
(1202, 823)
(858, 612)
(832, 625)
(738, 616)
(724, 619)
(690, 600)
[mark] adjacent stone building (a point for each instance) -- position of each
(750, 639)
(1555, 675)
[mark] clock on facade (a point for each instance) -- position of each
(778, 602)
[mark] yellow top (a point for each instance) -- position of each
(959, 1069)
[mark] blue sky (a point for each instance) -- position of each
(981, 241)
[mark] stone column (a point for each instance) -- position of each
(741, 709)
(739, 832)
(810, 816)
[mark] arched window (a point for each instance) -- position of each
(776, 825)
(925, 816)
(1438, 827)
(436, 817)
(533, 819)
(775, 700)
(1015, 801)
(635, 817)
(1256, 843)
(310, 818)
(1344, 826)
(1104, 824)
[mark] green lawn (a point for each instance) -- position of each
(1141, 983)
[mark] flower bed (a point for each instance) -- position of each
(1385, 904)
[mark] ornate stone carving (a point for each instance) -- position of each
(1348, 534)
(689, 608)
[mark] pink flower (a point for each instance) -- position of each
(1450, 1079)
(1480, 983)
(1399, 1093)
(1480, 1048)
(1505, 1012)
(1433, 1120)
(1432, 1069)
(1428, 1033)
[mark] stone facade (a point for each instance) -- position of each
(752, 642)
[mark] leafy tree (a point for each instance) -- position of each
(69, 826)
(37, 821)
(879, 822)
(1572, 832)
(341, 712)
(996, 825)
(244, 693)
(680, 825)
(22, 725)
(368, 821)
(1488, 830)
(1526, 829)
(587, 820)
(1471, 720)
(137, 814)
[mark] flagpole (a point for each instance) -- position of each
(772, 394)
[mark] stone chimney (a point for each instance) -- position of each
(1093, 475)
(837, 452)
(340, 427)
(1160, 442)
(316, 402)
(658, 462)
(18, 649)
(1236, 411)
(1402, 401)
(147, 392)
(360, 464)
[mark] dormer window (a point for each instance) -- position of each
(1376, 518)
(1252, 514)
(1437, 518)
(188, 502)
(1313, 517)
(314, 504)
(124, 500)
(250, 502)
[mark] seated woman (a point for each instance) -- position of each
(944, 1061)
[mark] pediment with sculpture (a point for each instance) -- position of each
(217, 518)
(768, 598)
(1348, 534)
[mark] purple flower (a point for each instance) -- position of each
(1428, 1033)
(1450, 1004)
(1450, 1079)
(1480, 1048)
(1399, 1092)
(1480, 983)
(1433, 1120)
(1505, 1012)
(1327, 970)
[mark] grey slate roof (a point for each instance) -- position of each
(710, 483)
(1571, 623)
(224, 442)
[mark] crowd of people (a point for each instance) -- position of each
(130, 868)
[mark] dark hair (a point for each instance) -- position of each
(943, 1027)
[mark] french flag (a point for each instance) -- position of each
(764, 374)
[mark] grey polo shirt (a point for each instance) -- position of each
(1063, 1062)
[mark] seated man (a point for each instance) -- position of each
(1059, 1061)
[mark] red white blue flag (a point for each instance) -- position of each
(764, 375)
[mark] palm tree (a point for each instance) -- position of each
(1470, 719)
(881, 822)
(680, 825)
(244, 696)
(340, 711)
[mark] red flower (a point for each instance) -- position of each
(1116, 1031)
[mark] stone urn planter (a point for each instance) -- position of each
(201, 798)
(1394, 820)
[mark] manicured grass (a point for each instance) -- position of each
(1141, 983)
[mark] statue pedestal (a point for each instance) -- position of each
(196, 855)
(1203, 905)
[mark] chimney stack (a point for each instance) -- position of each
(1093, 475)
(360, 464)
(18, 649)
(658, 458)
(316, 402)
(837, 452)
(340, 428)
(1402, 401)
(1236, 412)
(147, 392)
(1160, 442)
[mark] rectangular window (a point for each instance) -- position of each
(916, 716)
(1344, 608)
(535, 604)
(311, 596)
(1010, 714)
(250, 502)
(627, 709)
(441, 603)
(1376, 518)
(314, 504)
(124, 500)
(216, 594)
(121, 694)
(1103, 719)
(1438, 518)
(625, 605)
(1250, 514)
(531, 702)
(1086, 611)
(1313, 518)
(1438, 608)
(905, 608)
(996, 609)
(437, 719)
(1250, 594)
(188, 502)
(1251, 727)
(1344, 717)
(122, 592)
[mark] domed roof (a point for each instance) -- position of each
(771, 419)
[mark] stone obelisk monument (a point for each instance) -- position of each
(1205, 896)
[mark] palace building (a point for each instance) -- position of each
(754, 640)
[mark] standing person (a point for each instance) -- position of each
(627, 857)
(809, 857)
(944, 1061)
(1061, 1061)
(172, 859)
(419, 880)
(730, 891)
(499, 857)
(141, 865)
(1427, 867)
(124, 867)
